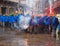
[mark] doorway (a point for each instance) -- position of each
(3, 10)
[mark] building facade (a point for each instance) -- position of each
(8, 7)
(57, 6)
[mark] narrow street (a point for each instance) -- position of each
(11, 38)
(29, 22)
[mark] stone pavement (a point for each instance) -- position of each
(12, 38)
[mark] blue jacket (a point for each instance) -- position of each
(47, 20)
(41, 20)
(11, 19)
(3, 18)
(53, 19)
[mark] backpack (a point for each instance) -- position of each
(56, 22)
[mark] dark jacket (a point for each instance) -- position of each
(56, 22)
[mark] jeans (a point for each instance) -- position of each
(54, 30)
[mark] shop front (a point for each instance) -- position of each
(8, 7)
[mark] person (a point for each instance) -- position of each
(46, 23)
(33, 24)
(55, 23)
(58, 28)
(27, 20)
(12, 21)
(37, 24)
(41, 24)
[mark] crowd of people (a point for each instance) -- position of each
(31, 24)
